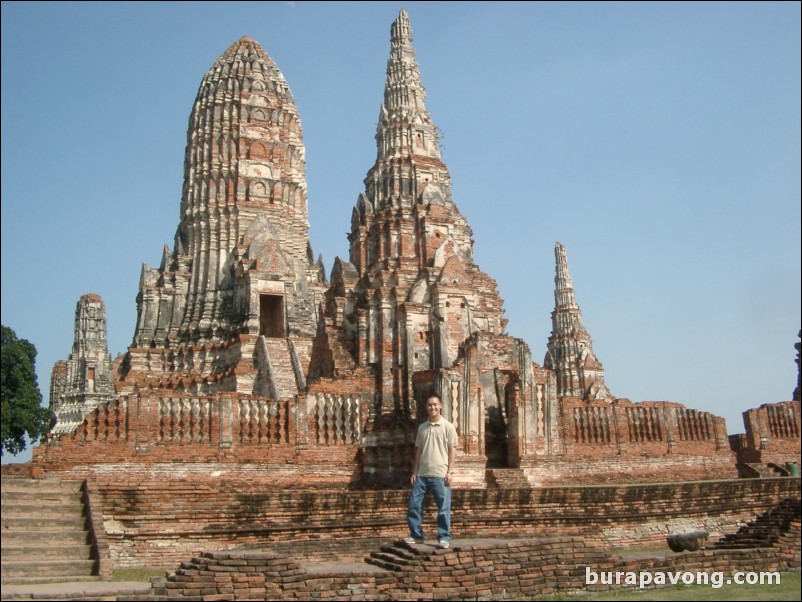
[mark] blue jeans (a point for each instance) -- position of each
(442, 496)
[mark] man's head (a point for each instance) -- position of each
(433, 407)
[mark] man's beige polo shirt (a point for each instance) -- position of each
(435, 439)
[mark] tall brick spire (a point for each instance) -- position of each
(408, 172)
(241, 266)
(84, 380)
(404, 128)
(570, 349)
(418, 294)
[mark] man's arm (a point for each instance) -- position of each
(414, 476)
(452, 459)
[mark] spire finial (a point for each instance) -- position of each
(405, 127)
(563, 284)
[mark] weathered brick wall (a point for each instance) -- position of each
(772, 434)
(16, 471)
(155, 520)
(628, 469)
(480, 569)
(625, 515)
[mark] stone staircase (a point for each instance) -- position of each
(506, 478)
(341, 356)
(283, 371)
(767, 529)
(45, 536)
(303, 349)
(396, 557)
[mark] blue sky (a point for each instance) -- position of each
(659, 142)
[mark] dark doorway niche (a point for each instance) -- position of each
(271, 316)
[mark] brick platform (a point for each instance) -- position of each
(159, 522)
(472, 569)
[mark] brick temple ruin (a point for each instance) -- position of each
(246, 357)
(258, 430)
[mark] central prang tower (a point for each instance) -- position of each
(411, 293)
(412, 314)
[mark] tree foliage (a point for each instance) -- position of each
(22, 410)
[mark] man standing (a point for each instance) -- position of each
(435, 453)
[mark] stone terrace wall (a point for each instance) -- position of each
(158, 521)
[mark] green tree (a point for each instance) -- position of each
(22, 410)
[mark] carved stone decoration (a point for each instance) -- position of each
(540, 418)
(337, 419)
(455, 399)
(797, 394)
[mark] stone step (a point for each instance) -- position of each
(766, 530)
(18, 552)
(39, 506)
(42, 523)
(14, 537)
(35, 487)
(44, 530)
(388, 566)
(51, 568)
(283, 371)
(392, 558)
(52, 579)
(764, 470)
(19, 498)
(398, 551)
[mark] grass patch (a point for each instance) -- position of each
(136, 573)
(788, 589)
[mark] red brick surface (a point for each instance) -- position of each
(159, 521)
(470, 569)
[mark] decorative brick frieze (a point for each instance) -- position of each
(772, 435)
